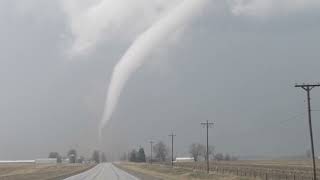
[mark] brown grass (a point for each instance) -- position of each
(39, 172)
(168, 173)
(278, 169)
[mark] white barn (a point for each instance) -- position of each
(184, 159)
(46, 161)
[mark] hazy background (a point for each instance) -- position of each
(237, 70)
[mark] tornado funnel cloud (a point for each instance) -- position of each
(138, 52)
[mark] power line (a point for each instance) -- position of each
(207, 125)
(271, 125)
(292, 118)
(308, 88)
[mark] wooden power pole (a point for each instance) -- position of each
(308, 88)
(151, 143)
(207, 125)
(172, 135)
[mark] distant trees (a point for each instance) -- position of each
(199, 150)
(226, 157)
(137, 156)
(80, 159)
(196, 150)
(218, 156)
(133, 156)
(103, 157)
(72, 155)
(211, 152)
(124, 157)
(141, 157)
(56, 156)
(161, 151)
(234, 158)
(96, 156)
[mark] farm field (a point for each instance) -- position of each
(265, 169)
(40, 172)
(165, 172)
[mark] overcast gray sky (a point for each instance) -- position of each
(234, 64)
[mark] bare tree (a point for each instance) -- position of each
(96, 156)
(56, 156)
(218, 157)
(161, 151)
(197, 150)
(234, 158)
(211, 152)
(133, 156)
(227, 157)
(72, 154)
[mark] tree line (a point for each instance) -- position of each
(161, 152)
(72, 157)
(137, 156)
(197, 151)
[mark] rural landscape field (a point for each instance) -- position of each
(40, 172)
(262, 169)
(160, 90)
(235, 170)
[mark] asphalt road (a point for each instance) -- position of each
(105, 171)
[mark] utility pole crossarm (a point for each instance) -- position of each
(307, 85)
(207, 124)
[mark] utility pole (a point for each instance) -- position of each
(172, 135)
(151, 143)
(207, 125)
(308, 88)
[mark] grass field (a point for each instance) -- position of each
(266, 169)
(289, 163)
(262, 169)
(40, 172)
(164, 172)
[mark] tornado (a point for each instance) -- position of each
(142, 47)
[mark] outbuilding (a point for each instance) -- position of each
(46, 161)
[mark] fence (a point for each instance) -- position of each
(255, 173)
